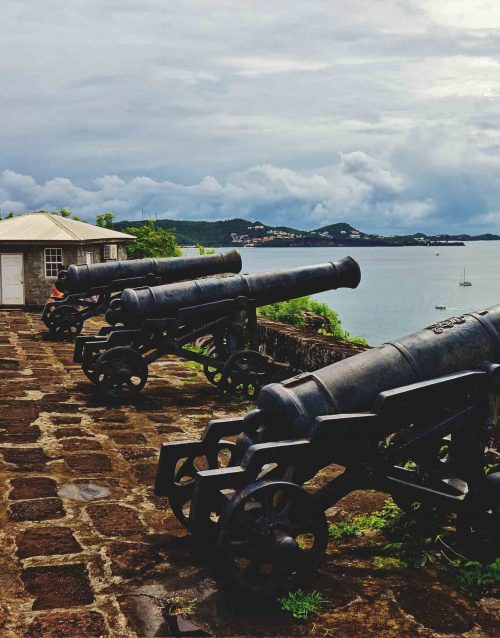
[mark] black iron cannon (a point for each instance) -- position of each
(89, 289)
(411, 418)
(168, 319)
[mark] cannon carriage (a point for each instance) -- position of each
(89, 289)
(411, 418)
(151, 322)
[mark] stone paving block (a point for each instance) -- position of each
(25, 459)
(128, 438)
(136, 454)
(62, 433)
(116, 416)
(58, 586)
(88, 463)
(145, 472)
(32, 487)
(84, 624)
(168, 429)
(113, 519)
(46, 541)
(67, 420)
(20, 433)
(40, 509)
(131, 559)
(72, 445)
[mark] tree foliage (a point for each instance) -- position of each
(152, 242)
(105, 220)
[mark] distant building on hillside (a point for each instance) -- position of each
(33, 246)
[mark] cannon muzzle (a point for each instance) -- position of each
(262, 288)
(86, 277)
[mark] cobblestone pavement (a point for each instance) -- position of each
(87, 550)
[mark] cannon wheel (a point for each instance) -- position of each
(89, 361)
(213, 373)
(245, 373)
(64, 322)
(121, 372)
(185, 474)
(478, 524)
(272, 536)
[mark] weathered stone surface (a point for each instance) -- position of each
(85, 624)
(435, 609)
(40, 509)
(25, 458)
(112, 519)
(58, 586)
(88, 463)
(45, 541)
(32, 487)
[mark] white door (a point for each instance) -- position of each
(12, 279)
(89, 258)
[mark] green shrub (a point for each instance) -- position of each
(294, 312)
(301, 604)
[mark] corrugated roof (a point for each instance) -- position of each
(42, 226)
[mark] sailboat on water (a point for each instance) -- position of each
(464, 282)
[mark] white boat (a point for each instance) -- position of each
(436, 253)
(464, 282)
(440, 306)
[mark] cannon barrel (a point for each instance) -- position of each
(263, 288)
(352, 385)
(85, 277)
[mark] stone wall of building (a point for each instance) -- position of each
(36, 285)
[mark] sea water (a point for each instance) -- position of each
(400, 287)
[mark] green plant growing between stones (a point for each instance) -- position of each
(295, 313)
(389, 563)
(301, 604)
(180, 606)
(386, 519)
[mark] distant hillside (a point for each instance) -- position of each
(242, 232)
(219, 233)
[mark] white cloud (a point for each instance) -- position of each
(356, 188)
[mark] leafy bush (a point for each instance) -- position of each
(477, 576)
(301, 604)
(152, 242)
(294, 312)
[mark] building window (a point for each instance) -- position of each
(53, 261)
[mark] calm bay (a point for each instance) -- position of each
(400, 287)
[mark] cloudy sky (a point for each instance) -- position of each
(301, 112)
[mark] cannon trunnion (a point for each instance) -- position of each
(411, 418)
(89, 289)
(148, 323)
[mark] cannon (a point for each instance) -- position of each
(89, 289)
(147, 323)
(411, 418)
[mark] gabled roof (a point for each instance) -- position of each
(43, 227)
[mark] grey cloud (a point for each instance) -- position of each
(404, 93)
